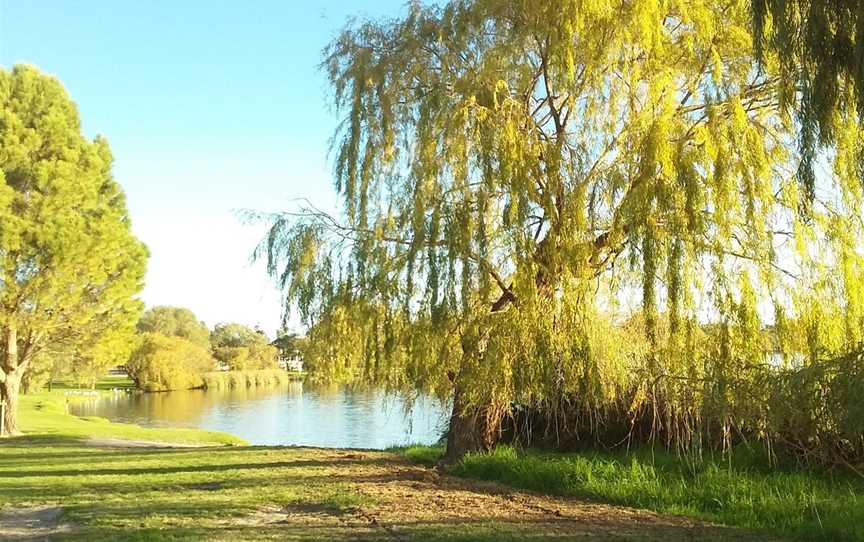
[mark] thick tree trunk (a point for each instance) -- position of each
(472, 428)
(11, 382)
(10, 388)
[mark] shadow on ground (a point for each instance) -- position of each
(263, 493)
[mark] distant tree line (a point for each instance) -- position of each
(176, 349)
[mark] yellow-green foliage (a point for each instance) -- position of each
(242, 348)
(244, 358)
(588, 207)
(246, 379)
(70, 267)
(175, 322)
(162, 363)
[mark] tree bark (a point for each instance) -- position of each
(10, 388)
(478, 427)
(472, 428)
(11, 382)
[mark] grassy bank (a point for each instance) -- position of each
(276, 493)
(273, 493)
(248, 379)
(798, 504)
(45, 413)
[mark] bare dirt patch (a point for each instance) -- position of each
(32, 523)
(410, 499)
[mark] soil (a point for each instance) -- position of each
(407, 496)
(32, 523)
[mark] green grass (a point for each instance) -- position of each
(419, 453)
(788, 502)
(165, 494)
(45, 413)
(230, 493)
(214, 493)
(220, 492)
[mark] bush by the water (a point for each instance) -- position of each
(162, 363)
(246, 379)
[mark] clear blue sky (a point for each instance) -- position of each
(210, 107)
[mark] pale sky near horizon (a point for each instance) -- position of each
(209, 107)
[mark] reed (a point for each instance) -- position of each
(247, 379)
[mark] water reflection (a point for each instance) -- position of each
(299, 413)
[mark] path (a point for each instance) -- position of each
(32, 523)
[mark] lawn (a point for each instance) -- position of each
(789, 502)
(57, 481)
(45, 413)
(272, 493)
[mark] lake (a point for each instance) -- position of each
(296, 414)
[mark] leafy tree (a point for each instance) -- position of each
(818, 46)
(162, 363)
(69, 264)
(516, 173)
(290, 345)
(175, 322)
(242, 348)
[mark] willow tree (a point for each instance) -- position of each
(69, 264)
(513, 171)
(819, 45)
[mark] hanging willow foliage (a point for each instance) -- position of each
(820, 48)
(581, 206)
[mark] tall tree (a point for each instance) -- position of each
(175, 322)
(69, 264)
(511, 170)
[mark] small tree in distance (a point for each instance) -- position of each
(242, 348)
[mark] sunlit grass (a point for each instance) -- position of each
(743, 493)
(420, 454)
(46, 413)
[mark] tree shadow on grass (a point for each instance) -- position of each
(319, 522)
(131, 471)
(40, 441)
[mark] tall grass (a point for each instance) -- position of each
(795, 503)
(247, 379)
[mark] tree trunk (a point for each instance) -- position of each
(472, 428)
(10, 388)
(11, 382)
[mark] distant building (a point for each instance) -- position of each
(292, 363)
(291, 348)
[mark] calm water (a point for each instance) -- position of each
(301, 414)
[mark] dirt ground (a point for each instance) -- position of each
(32, 523)
(306, 494)
(407, 496)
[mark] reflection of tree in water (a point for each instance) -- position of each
(297, 413)
(178, 407)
